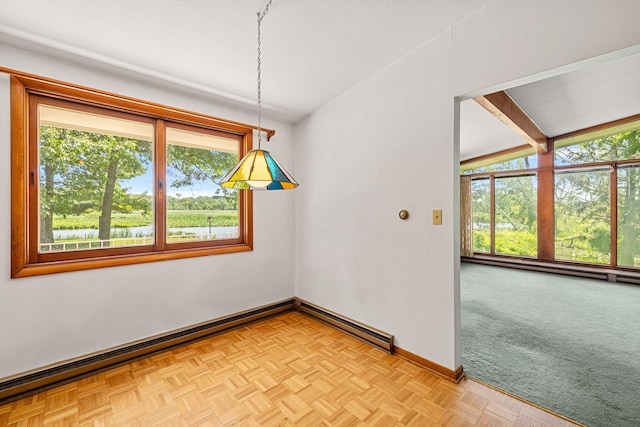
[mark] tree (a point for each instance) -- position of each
(628, 215)
(584, 197)
(481, 196)
(109, 160)
(212, 203)
(58, 156)
(189, 166)
(516, 215)
(81, 171)
(515, 209)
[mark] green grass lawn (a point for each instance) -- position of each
(123, 221)
(175, 219)
(200, 218)
(509, 242)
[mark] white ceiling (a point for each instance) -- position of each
(565, 103)
(591, 96)
(312, 51)
(481, 133)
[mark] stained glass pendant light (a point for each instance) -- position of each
(258, 170)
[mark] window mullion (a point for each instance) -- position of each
(492, 213)
(613, 211)
(160, 199)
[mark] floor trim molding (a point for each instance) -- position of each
(455, 376)
(367, 333)
(41, 379)
(376, 337)
(37, 380)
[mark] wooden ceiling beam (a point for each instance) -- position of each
(502, 107)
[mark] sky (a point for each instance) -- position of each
(142, 183)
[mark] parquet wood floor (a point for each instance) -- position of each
(284, 371)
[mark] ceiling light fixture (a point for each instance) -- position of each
(258, 170)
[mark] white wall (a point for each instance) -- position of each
(388, 144)
(372, 152)
(47, 319)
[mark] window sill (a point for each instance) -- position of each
(112, 261)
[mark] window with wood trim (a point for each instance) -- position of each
(582, 206)
(596, 196)
(504, 195)
(101, 180)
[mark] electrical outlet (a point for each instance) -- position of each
(437, 217)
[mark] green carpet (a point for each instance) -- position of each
(568, 344)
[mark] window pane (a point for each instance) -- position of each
(516, 213)
(526, 159)
(95, 184)
(619, 143)
(481, 194)
(629, 216)
(582, 216)
(197, 207)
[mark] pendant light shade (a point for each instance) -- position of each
(258, 170)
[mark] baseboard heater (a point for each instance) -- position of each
(41, 379)
(371, 335)
(610, 275)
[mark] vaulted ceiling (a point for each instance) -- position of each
(565, 103)
(312, 51)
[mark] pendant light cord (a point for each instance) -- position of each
(261, 16)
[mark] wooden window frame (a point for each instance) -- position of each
(491, 178)
(25, 260)
(546, 197)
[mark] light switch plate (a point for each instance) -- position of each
(437, 217)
